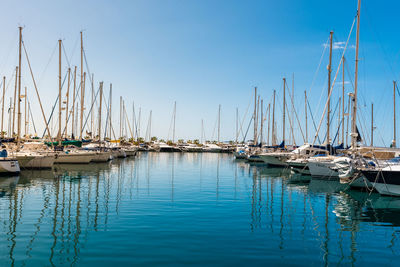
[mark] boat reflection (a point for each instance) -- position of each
(327, 186)
(378, 209)
(7, 185)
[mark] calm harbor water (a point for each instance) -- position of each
(189, 208)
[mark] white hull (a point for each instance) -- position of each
(275, 159)
(130, 152)
(300, 167)
(240, 155)
(9, 166)
(35, 161)
(75, 158)
(102, 156)
(322, 169)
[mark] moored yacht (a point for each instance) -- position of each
(8, 165)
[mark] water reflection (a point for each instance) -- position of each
(63, 216)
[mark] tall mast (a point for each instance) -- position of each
(343, 60)
(354, 133)
(9, 118)
(120, 117)
(328, 114)
(15, 102)
(82, 89)
(372, 124)
(262, 123)
(173, 132)
(305, 112)
(25, 110)
(347, 121)
(292, 100)
(101, 101)
(19, 89)
(394, 114)
(73, 107)
(219, 122)
(255, 119)
(67, 104)
(133, 122)
(273, 121)
(284, 109)
(2, 106)
(59, 93)
(257, 116)
(339, 119)
(139, 120)
(109, 111)
(82, 105)
(27, 120)
(269, 121)
(92, 113)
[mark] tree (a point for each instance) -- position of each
(153, 139)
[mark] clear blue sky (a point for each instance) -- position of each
(205, 53)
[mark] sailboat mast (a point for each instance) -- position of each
(2, 106)
(269, 121)
(120, 117)
(73, 107)
(25, 110)
(372, 124)
(82, 104)
(273, 121)
(343, 60)
(328, 114)
(59, 93)
(257, 116)
(67, 104)
(291, 118)
(354, 133)
(394, 114)
(139, 120)
(9, 118)
(219, 122)
(262, 123)
(82, 89)
(101, 101)
(19, 89)
(92, 113)
(305, 112)
(15, 101)
(254, 116)
(109, 111)
(173, 132)
(284, 110)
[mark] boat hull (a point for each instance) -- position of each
(385, 182)
(323, 170)
(9, 166)
(101, 157)
(275, 160)
(36, 161)
(74, 158)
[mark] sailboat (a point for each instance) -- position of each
(27, 158)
